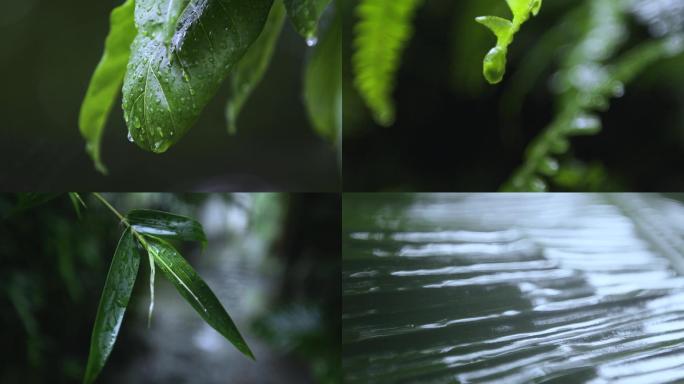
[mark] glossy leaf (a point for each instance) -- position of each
(180, 57)
(253, 65)
(166, 225)
(494, 64)
(115, 296)
(323, 83)
(383, 29)
(304, 15)
(105, 84)
(195, 291)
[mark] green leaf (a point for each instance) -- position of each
(195, 291)
(251, 68)
(115, 296)
(166, 225)
(323, 83)
(304, 15)
(77, 202)
(180, 57)
(499, 26)
(106, 82)
(383, 29)
(494, 64)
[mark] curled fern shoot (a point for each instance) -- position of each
(494, 65)
(381, 34)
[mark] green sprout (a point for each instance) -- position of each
(494, 66)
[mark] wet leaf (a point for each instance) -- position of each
(304, 15)
(253, 65)
(195, 291)
(166, 225)
(323, 83)
(115, 296)
(106, 81)
(180, 57)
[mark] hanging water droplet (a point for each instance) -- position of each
(311, 41)
(618, 89)
(130, 137)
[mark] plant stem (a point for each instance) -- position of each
(122, 219)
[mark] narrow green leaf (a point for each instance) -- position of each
(304, 15)
(251, 68)
(323, 82)
(172, 77)
(383, 29)
(106, 81)
(115, 296)
(499, 26)
(77, 202)
(166, 225)
(195, 291)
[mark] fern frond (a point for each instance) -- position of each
(382, 31)
(587, 82)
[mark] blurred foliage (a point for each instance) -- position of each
(53, 265)
(567, 68)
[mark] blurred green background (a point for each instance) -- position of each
(454, 132)
(273, 261)
(49, 51)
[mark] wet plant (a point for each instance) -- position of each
(170, 57)
(592, 51)
(494, 65)
(145, 233)
(589, 77)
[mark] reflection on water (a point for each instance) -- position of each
(512, 288)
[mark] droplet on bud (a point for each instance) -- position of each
(311, 41)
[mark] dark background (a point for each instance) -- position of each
(49, 51)
(456, 133)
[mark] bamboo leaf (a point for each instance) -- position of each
(251, 68)
(166, 225)
(383, 29)
(195, 291)
(106, 81)
(77, 202)
(323, 83)
(115, 296)
(304, 15)
(181, 55)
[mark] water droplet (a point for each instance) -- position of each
(585, 124)
(618, 89)
(548, 166)
(311, 41)
(537, 185)
(494, 66)
(130, 137)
